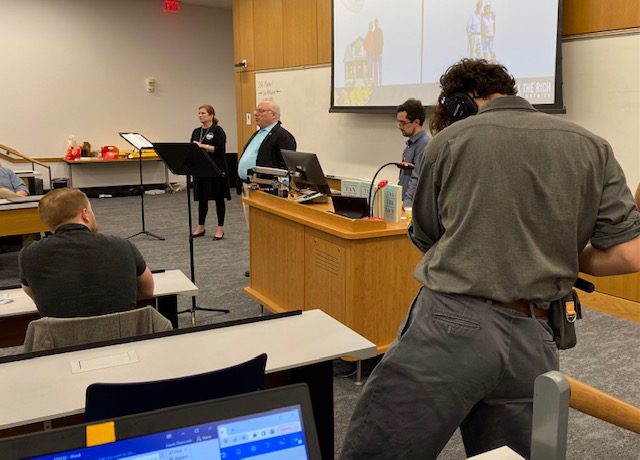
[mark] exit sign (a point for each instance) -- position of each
(172, 6)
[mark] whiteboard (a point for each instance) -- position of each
(348, 145)
(601, 91)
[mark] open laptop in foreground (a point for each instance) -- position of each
(268, 424)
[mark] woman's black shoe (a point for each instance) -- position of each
(198, 235)
(216, 238)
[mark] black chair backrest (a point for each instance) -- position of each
(109, 400)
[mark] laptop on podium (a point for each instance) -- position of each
(276, 423)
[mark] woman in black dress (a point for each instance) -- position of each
(210, 137)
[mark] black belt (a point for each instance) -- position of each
(521, 306)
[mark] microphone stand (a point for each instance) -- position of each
(399, 164)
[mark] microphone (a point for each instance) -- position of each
(382, 184)
(403, 165)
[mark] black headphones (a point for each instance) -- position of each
(458, 106)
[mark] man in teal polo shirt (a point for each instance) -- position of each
(264, 147)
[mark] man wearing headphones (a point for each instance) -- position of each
(510, 205)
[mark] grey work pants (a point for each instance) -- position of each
(457, 362)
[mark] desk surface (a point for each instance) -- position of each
(170, 282)
(322, 217)
(7, 205)
(20, 218)
(94, 160)
(45, 388)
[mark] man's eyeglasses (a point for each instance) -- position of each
(403, 122)
(263, 110)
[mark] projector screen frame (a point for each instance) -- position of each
(557, 107)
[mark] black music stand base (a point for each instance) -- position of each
(194, 306)
(193, 310)
(144, 232)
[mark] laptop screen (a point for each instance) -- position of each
(273, 434)
(264, 425)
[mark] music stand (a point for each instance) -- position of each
(140, 142)
(186, 159)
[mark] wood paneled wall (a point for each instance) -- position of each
(275, 34)
(589, 16)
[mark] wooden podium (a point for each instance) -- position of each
(306, 257)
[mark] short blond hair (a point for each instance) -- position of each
(61, 206)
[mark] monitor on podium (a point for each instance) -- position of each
(306, 171)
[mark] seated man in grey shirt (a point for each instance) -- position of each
(78, 271)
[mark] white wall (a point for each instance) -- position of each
(601, 91)
(79, 67)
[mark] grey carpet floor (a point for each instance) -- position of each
(606, 356)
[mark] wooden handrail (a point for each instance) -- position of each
(596, 403)
(13, 151)
(611, 304)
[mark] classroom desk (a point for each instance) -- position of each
(116, 172)
(19, 219)
(45, 388)
(16, 316)
(305, 257)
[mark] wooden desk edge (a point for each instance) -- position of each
(275, 308)
(303, 217)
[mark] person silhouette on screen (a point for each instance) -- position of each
(488, 32)
(473, 32)
(378, 45)
(369, 51)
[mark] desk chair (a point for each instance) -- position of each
(47, 333)
(109, 400)
(553, 394)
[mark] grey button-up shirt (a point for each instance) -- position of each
(510, 197)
